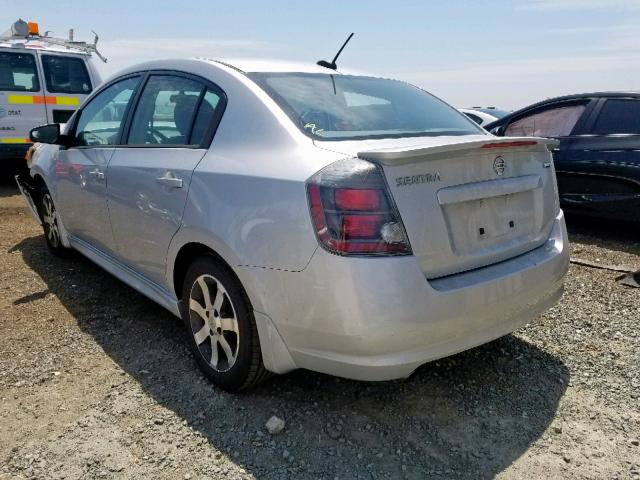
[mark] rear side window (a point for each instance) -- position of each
(618, 116)
(166, 111)
(554, 122)
(18, 72)
(204, 118)
(66, 75)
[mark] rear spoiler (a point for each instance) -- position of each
(491, 144)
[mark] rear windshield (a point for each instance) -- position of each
(345, 107)
(18, 72)
(66, 74)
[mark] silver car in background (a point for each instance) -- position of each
(297, 217)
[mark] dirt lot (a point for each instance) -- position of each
(96, 382)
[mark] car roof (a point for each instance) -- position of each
(242, 65)
(564, 98)
(249, 65)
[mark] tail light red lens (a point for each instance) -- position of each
(352, 211)
(357, 199)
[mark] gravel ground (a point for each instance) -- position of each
(96, 382)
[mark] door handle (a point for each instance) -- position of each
(97, 173)
(170, 180)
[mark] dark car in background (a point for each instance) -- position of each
(598, 159)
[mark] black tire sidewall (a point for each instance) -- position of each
(235, 378)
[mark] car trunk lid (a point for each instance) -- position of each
(467, 202)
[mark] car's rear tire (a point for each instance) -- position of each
(51, 224)
(220, 327)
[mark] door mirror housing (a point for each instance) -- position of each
(498, 131)
(49, 134)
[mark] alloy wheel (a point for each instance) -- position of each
(50, 220)
(213, 322)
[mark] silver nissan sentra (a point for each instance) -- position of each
(297, 217)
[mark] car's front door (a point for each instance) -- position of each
(80, 170)
(148, 178)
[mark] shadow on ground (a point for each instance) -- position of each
(614, 235)
(470, 416)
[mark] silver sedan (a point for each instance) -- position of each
(295, 216)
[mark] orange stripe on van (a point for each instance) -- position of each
(42, 99)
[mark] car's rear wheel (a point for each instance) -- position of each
(51, 224)
(220, 326)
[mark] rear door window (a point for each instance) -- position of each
(66, 74)
(18, 72)
(618, 116)
(166, 111)
(552, 122)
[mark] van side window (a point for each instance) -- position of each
(66, 75)
(165, 112)
(100, 120)
(18, 72)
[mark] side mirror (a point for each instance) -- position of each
(45, 133)
(49, 134)
(498, 131)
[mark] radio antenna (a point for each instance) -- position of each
(332, 65)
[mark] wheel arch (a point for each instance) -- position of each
(186, 247)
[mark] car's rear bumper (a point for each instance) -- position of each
(380, 318)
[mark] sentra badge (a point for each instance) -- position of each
(415, 179)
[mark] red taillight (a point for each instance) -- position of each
(352, 211)
(357, 199)
(361, 226)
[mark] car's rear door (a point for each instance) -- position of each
(148, 178)
(602, 172)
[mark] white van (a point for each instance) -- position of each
(42, 80)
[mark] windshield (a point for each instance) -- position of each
(345, 107)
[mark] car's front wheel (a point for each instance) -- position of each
(51, 224)
(220, 326)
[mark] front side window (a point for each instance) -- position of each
(166, 111)
(18, 72)
(554, 122)
(347, 107)
(100, 121)
(66, 74)
(618, 116)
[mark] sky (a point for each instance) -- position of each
(503, 53)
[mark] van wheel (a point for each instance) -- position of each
(50, 224)
(220, 326)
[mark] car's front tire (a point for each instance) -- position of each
(220, 326)
(51, 224)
